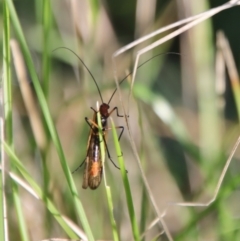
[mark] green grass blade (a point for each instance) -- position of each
(6, 79)
(8, 128)
(102, 144)
(236, 94)
(17, 163)
(107, 188)
(18, 206)
(144, 199)
(2, 193)
(48, 119)
(46, 15)
(126, 185)
(110, 208)
(7, 84)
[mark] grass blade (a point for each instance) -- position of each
(46, 15)
(17, 163)
(126, 185)
(7, 126)
(108, 190)
(48, 119)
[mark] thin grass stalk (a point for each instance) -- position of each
(144, 211)
(49, 122)
(110, 208)
(18, 206)
(107, 188)
(193, 222)
(3, 202)
(39, 132)
(6, 76)
(8, 127)
(127, 189)
(7, 84)
(232, 69)
(151, 198)
(211, 205)
(17, 163)
(47, 20)
(4, 234)
(21, 182)
(144, 199)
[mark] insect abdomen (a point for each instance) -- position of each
(95, 175)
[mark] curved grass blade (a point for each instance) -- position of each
(7, 126)
(48, 119)
(17, 163)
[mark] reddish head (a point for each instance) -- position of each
(104, 110)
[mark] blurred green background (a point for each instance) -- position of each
(183, 124)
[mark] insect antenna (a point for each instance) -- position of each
(121, 80)
(85, 67)
(138, 68)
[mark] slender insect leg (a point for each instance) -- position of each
(91, 123)
(94, 110)
(119, 127)
(109, 154)
(116, 127)
(115, 108)
(79, 165)
(109, 157)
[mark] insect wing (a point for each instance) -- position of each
(93, 164)
(87, 160)
(95, 174)
(85, 175)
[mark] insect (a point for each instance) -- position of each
(93, 164)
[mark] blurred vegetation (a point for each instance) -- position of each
(183, 127)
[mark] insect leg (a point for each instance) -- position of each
(109, 154)
(91, 123)
(94, 110)
(79, 165)
(115, 108)
(120, 127)
(109, 157)
(116, 127)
